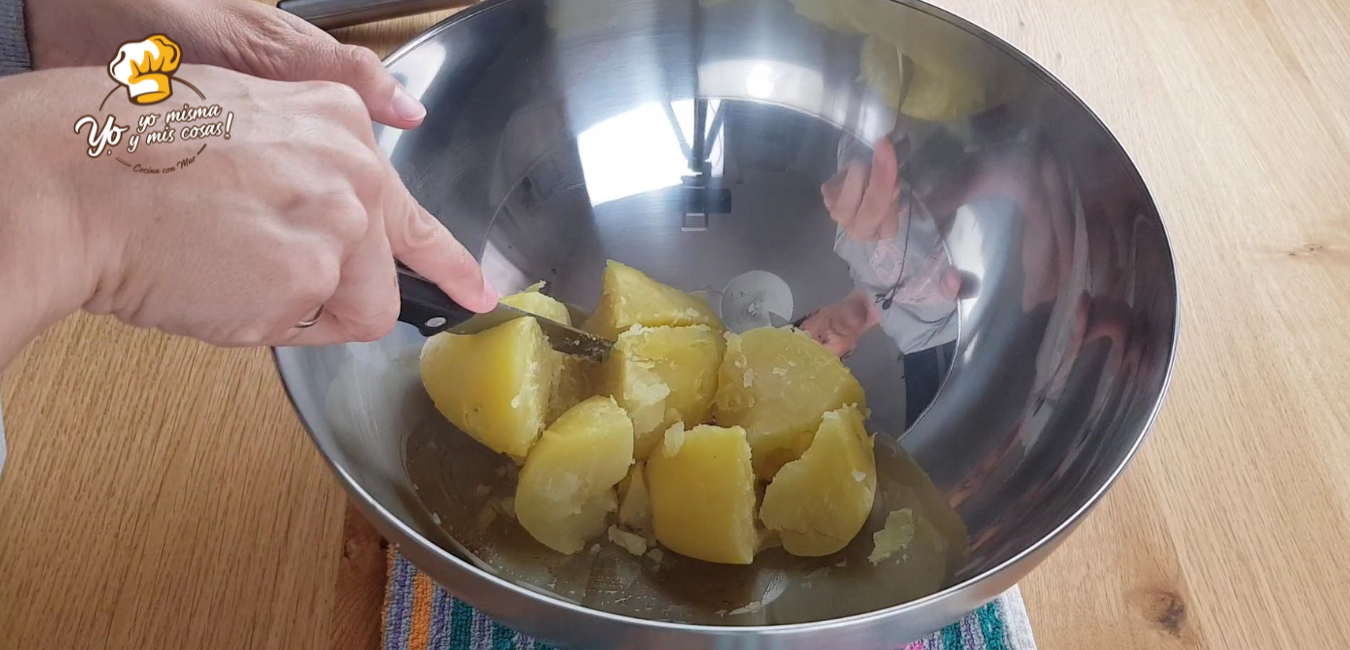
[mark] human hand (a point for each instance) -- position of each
(243, 35)
(867, 201)
(298, 210)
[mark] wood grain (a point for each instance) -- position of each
(1224, 533)
(359, 591)
(160, 493)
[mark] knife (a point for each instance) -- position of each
(427, 308)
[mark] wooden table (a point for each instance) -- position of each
(160, 493)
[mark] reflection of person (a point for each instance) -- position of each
(904, 281)
(284, 234)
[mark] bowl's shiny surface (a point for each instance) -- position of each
(561, 134)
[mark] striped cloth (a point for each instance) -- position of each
(420, 615)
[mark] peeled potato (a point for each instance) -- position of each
(777, 383)
(703, 494)
(537, 303)
(566, 488)
(573, 379)
(635, 501)
(664, 375)
(819, 502)
(628, 297)
(573, 384)
(494, 385)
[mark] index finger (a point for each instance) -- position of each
(422, 242)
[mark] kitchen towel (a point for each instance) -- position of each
(420, 615)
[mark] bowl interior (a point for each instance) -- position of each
(1020, 362)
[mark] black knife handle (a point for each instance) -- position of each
(426, 307)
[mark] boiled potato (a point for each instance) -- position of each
(633, 543)
(573, 380)
(573, 383)
(540, 304)
(628, 297)
(566, 488)
(664, 375)
(819, 502)
(895, 536)
(635, 501)
(777, 383)
(703, 494)
(494, 385)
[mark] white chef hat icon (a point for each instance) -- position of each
(145, 67)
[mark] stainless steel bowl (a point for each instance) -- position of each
(691, 139)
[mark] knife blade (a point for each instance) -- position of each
(427, 308)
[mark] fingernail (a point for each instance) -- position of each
(406, 106)
(489, 293)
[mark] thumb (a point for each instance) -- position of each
(314, 59)
(829, 190)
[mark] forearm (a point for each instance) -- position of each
(44, 260)
(102, 25)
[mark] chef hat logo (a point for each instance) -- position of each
(145, 68)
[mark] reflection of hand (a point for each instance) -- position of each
(298, 210)
(866, 200)
(242, 35)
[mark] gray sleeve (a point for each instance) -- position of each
(914, 330)
(13, 42)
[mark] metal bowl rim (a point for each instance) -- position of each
(946, 593)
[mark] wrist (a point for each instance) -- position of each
(48, 268)
(39, 270)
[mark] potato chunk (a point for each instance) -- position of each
(574, 383)
(635, 501)
(573, 380)
(703, 495)
(777, 383)
(537, 303)
(566, 488)
(494, 385)
(664, 375)
(819, 502)
(628, 297)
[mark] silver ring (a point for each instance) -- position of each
(311, 321)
